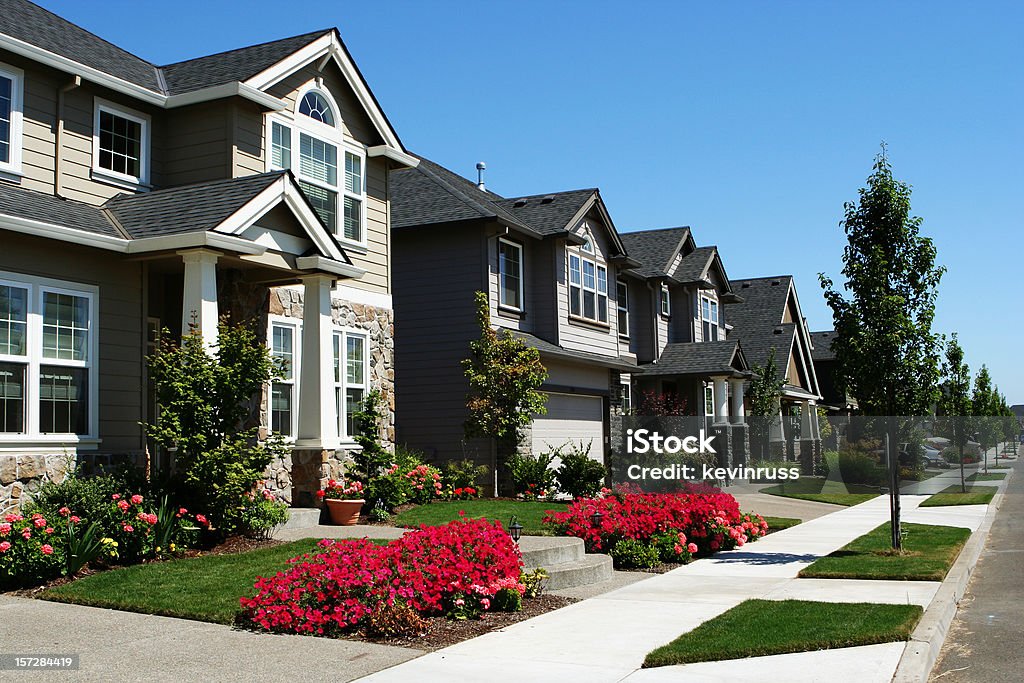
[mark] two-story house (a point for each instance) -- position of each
(251, 184)
(689, 362)
(550, 266)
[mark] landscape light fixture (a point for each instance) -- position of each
(595, 519)
(515, 529)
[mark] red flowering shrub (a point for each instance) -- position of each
(30, 550)
(431, 570)
(680, 525)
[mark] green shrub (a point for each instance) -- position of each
(629, 553)
(578, 475)
(532, 477)
(459, 474)
(855, 467)
(88, 496)
(263, 515)
(507, 600)
(534, 582)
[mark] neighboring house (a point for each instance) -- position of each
(834, 399)
(550, 266)
(679, 331)
(135, 197)
(769, 317)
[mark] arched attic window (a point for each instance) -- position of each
(315, 106)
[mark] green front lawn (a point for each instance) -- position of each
(991, 476)
(929, 551)
(780, 523)
(823, 491)
(202, 588)
(756, 628)
(952, 495)
(530, 513)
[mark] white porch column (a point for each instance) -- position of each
(775, 432)
(721, 400)
(805, 420)
(736, 412)
(815, 426)
(199, 296)
(318, 419)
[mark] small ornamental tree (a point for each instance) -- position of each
(985, 407)
(504, 376)
(205, 399)
(763, 396)
(886, 352)
(955, 403)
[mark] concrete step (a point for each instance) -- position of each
(590, 569)
(544, 551)
(302, 518)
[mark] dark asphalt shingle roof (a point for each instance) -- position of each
(654, 249)
(822, 342)
(757, 320)
(191, 208)
(233, 65)
(46, 208)
(32, 24)
(546, 347)
(548, 213)
(694, 265)
(698, 358)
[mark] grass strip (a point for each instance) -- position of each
(929, 552)
(756, 628)
(529, 513)
(991, 476)
(780, 523)
(952, 495)
(821, 490)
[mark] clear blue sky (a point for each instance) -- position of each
(752, 122)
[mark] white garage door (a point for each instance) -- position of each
(571, 418)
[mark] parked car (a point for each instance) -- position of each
(933, 458)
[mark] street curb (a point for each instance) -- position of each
(922, 651)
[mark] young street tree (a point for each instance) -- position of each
(763, 396)
(955, 403)
(885, 350)
(985, 408)
(504, 376)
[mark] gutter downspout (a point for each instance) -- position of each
(59, 134)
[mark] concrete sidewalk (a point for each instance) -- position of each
(606, 638)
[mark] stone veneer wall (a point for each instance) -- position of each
(295, 478)
(23, 475)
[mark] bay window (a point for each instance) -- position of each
(709, 318)
(47, 357)
(350, 379)
(331, 174)
(588, 289)
(510, 275)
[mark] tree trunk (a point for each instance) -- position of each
(963, 481)
(892, 448)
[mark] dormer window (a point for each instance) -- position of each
(709, 318)
(331, 173)
(315, 106)
(588, 289)
(510, 275)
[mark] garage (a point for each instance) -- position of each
(571, 417)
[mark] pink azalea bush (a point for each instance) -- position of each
(456, 570)
(30, 550)
(424, 484)
(680, 526)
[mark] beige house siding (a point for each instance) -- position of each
(120, 363)
(578, 335)
(195, 145)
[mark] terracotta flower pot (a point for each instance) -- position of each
(344, 512)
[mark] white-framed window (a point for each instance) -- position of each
(709, 399)
(351, 368)
(709, 318)
(510, 275)
(330, 170)
(48, 359)
(284, 349)
(588, 288)
(11, 96)
(120, 144)
(622, 307)
(666, 303)
(627, 398)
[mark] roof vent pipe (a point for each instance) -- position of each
(480, 168)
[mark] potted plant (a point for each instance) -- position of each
(344, 501)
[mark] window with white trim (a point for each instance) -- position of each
(627, 398)
(284, 349)
(510, 275)
(588, 289)
(622, 307)
(331, 173)
(709, 318)
(11, 84)
(666, 304)
(120, 143)
(709, 400)
(350, 379)
(47, 357)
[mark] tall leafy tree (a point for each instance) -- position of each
(763, 398)
(886, 353)
(504, 376)
(955, 403)
(985, 408)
